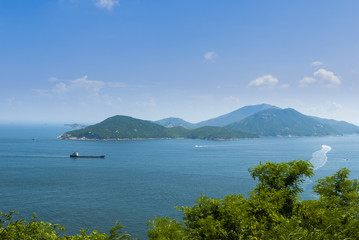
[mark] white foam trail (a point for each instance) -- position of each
(319, 158)
(198, 146)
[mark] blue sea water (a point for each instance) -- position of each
(139, 180)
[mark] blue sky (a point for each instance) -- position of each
(65, 61)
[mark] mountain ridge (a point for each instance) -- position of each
(234, 116)
(265, 120)
(124, 127)
(282, 122)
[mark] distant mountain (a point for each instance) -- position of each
(234, 116)
(178, 132)
(340, 126)
(174, 122)
(218, 133)
(282, 122)
(119, 127)
(254, 121)
(124, 127)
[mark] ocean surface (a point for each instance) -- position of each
(139, 180)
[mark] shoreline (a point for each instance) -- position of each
(62, 137)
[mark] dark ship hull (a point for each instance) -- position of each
(76, 155)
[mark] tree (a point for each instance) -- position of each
(339, 189)
(20, 230)
(279, 183)
(273, 210)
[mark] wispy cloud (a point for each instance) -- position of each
(266, 81)
(13, 101)
(106, 4)
(325, 108)
(210, 55)
(317, 64)
(321, 77)
(60, 88)
(84, 84)
(117, 84)
(306, 81)
(79, 85)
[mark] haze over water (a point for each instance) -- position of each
(141, 179)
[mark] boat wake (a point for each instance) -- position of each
(319, 158)
(31, 156)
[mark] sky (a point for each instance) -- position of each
(82, 61)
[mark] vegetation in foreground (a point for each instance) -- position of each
(272, 211)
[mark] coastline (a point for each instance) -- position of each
(71, 138)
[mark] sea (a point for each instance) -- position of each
(141, 179)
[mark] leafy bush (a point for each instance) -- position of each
(20, 230)
(272, 210)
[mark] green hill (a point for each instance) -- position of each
(174, 122)
(218, 133)
(272, 121)
(340, 126)
(123, 127)
(282, 122)
(119, 127)
(178, 132)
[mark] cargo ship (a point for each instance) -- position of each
(77, 155)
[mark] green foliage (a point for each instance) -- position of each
(338, 189)
(272, 211)
(178, 132)
(165, 228)
(20, 230)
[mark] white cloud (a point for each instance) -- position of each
(266, 81)
(306, 81)
(60, 88)
(89, 85)
(117, 84)
(327, 78)
(317, 64)
(43, 92)
(321, 77)
(107, 4)
(79, 85)
(210, 55)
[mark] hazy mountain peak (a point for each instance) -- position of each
(235, 115)
(174, 122)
